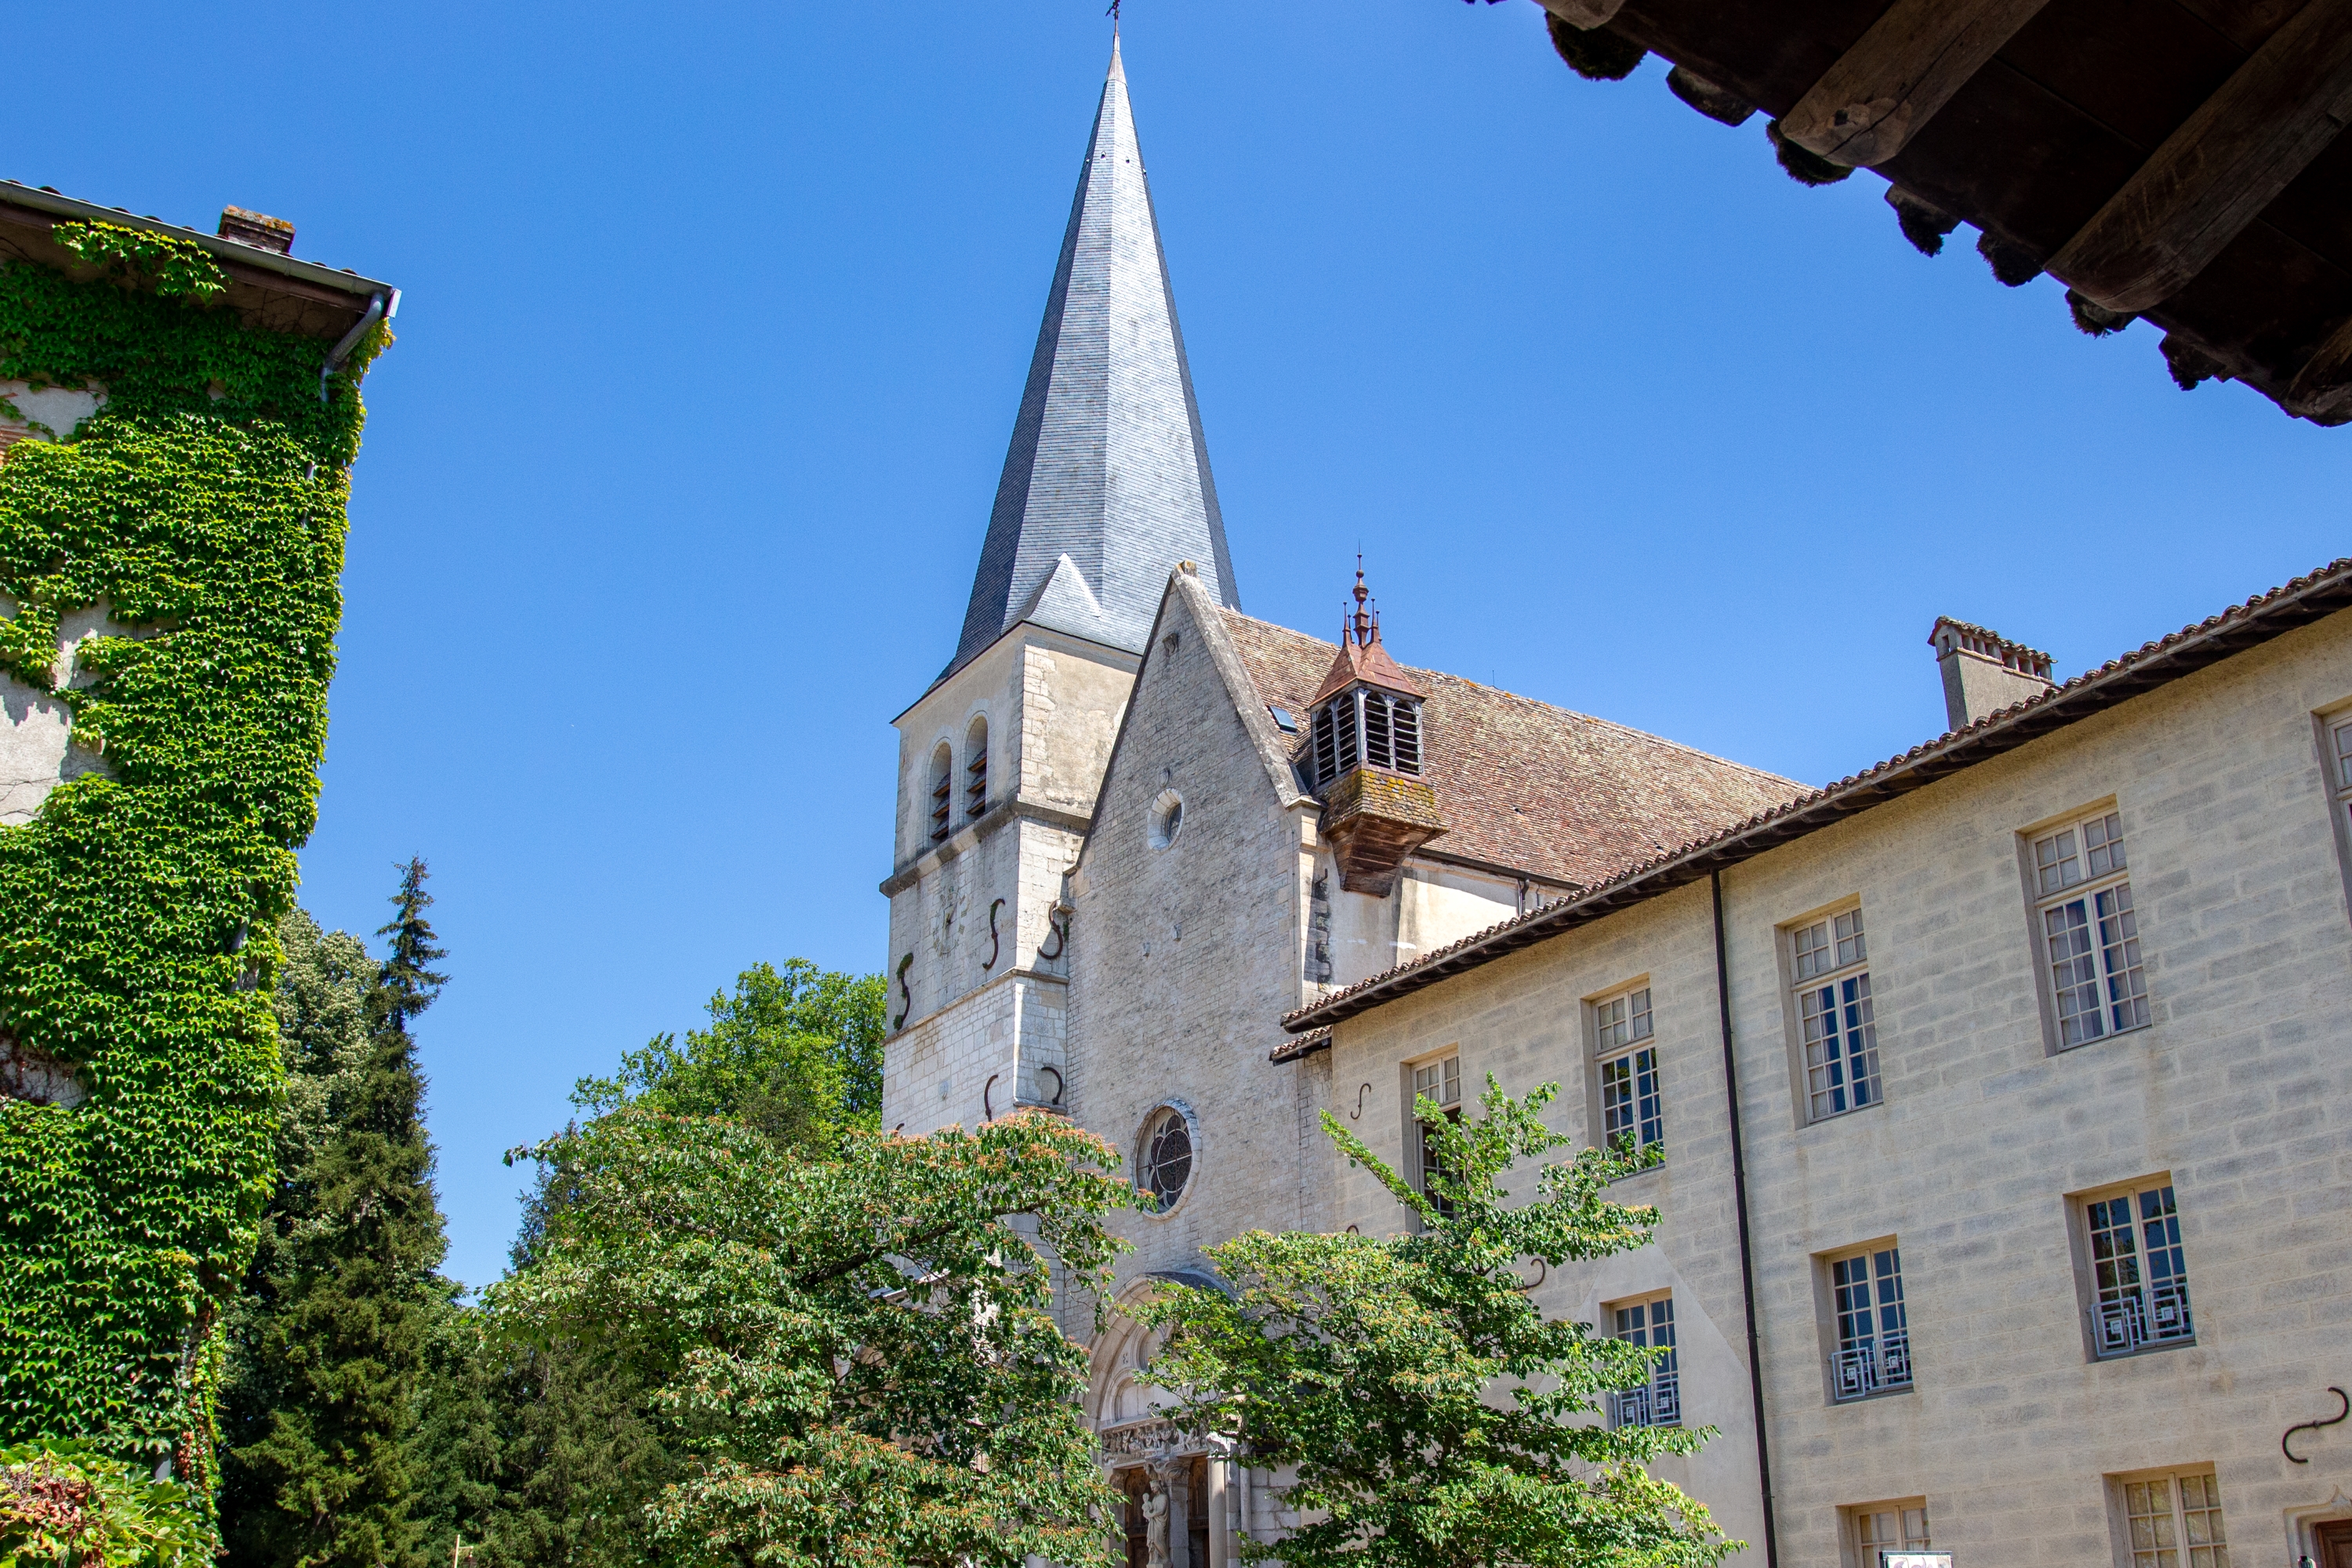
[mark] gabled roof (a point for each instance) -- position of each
(1107, 474)
(2235, 630)
(1528, 786)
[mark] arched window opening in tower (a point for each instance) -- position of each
(975, 771)
(943, 787)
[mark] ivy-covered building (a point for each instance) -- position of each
(179, 413)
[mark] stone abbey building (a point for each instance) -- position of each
(2007, 1208)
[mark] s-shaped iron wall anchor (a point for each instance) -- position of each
(2335, 1420)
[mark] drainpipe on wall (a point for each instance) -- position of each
(382, 306)
(1739, 1201)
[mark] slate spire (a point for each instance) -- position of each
(1107, 486)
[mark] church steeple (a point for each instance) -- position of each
(1106, 485)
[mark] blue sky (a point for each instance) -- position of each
(715, 321)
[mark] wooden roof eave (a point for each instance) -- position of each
(2203, 191)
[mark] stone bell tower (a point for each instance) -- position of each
(1106, 488)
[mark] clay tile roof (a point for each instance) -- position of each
(1370, 663)
(1559, 795)
(2240, 626)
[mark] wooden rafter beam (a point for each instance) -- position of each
(2215, 174)
(1898, 74)
(1584, 14)
(2322, 389)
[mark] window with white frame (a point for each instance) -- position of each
(1659, 1402)
(2089, 931)
(1440, 1082)
(1888, 1527)
(2339, 764)
(2139, 1276)
(1831, 961)
(1632, 1111)
(1873, 1333)
(2174, 1520)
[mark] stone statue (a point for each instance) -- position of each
(1155, 1519)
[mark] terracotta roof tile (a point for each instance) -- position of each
(2240, 626)
(1367, 662)
(1526, 786)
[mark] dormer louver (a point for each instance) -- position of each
(1367, 728)
(1363, 758)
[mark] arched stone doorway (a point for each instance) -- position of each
(1184, 1499)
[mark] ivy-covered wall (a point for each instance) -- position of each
(202, 507)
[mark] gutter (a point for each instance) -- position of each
(2184, 653)
(382, 306)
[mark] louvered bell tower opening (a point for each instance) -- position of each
(1366, 728)
(975, 771)
(1364, 755)
(942, 794)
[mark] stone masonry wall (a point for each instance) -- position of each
(1975, 1161)
(976, 965)
(1184, 956)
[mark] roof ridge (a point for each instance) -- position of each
(1418, 672)
(2014, 716)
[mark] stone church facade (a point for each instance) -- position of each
(1939, 1055)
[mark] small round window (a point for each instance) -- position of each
(1167, 819)
(1164, 1163)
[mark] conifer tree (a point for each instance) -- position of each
(329, 1350)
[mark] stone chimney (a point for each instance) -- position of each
(1984, 672)
(258, 230)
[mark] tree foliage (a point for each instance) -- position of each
(576, 1450)
(851, 1358)
(1432, 1417)
(66, 1505)
(795, 1053)
(330, 1346)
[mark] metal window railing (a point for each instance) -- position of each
(1873, 1366)
(2141, 1318)
(1657, 1403)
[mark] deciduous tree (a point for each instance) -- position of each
(795, 1053)
(1431, 1415)
(852, 1356)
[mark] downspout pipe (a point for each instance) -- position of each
(382, 306)
(1747, 1249)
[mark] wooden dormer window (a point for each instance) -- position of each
(1405, 724)
(1336, 750)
